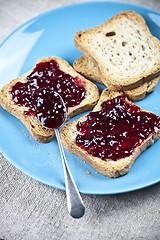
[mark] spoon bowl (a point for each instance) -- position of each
(51, 109)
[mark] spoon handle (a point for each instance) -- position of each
(74, 200)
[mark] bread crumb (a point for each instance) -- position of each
(88, 172)
(26, 135)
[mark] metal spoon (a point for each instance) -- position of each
(52, 113)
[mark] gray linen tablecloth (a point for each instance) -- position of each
(30, 210)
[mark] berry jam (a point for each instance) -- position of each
(51, 110)
(116, 130)
(48, 74)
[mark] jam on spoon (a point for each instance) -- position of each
(51, 110)
(52, 113)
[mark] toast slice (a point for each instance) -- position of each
(89, 131)
(124, 50)
(88, 69)
(30, 120)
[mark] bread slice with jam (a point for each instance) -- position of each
(88, 69)
(19, 96)
(123, 49)
(113, 135)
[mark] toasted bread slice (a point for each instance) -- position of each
(108, 166)
(124, 50)
(38, 132)
(88, 69)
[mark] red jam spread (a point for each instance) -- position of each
(116, 130)
(48, 74)
(51, 110)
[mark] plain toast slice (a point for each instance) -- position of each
(88, 69)
(124, 50)
(38, 132)
(107, 167)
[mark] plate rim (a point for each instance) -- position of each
(72, 5)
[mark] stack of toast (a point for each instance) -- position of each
(121, 54)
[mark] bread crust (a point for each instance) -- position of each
(38, 132)
(93, 44)
(109, 168)
(88, 69)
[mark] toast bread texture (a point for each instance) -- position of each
(88, 69)
(38, 132)
(108, 167)
(123, 49)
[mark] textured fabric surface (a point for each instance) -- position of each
(30, 210)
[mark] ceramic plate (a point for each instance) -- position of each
(51, 34)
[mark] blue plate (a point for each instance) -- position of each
(51, 34)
